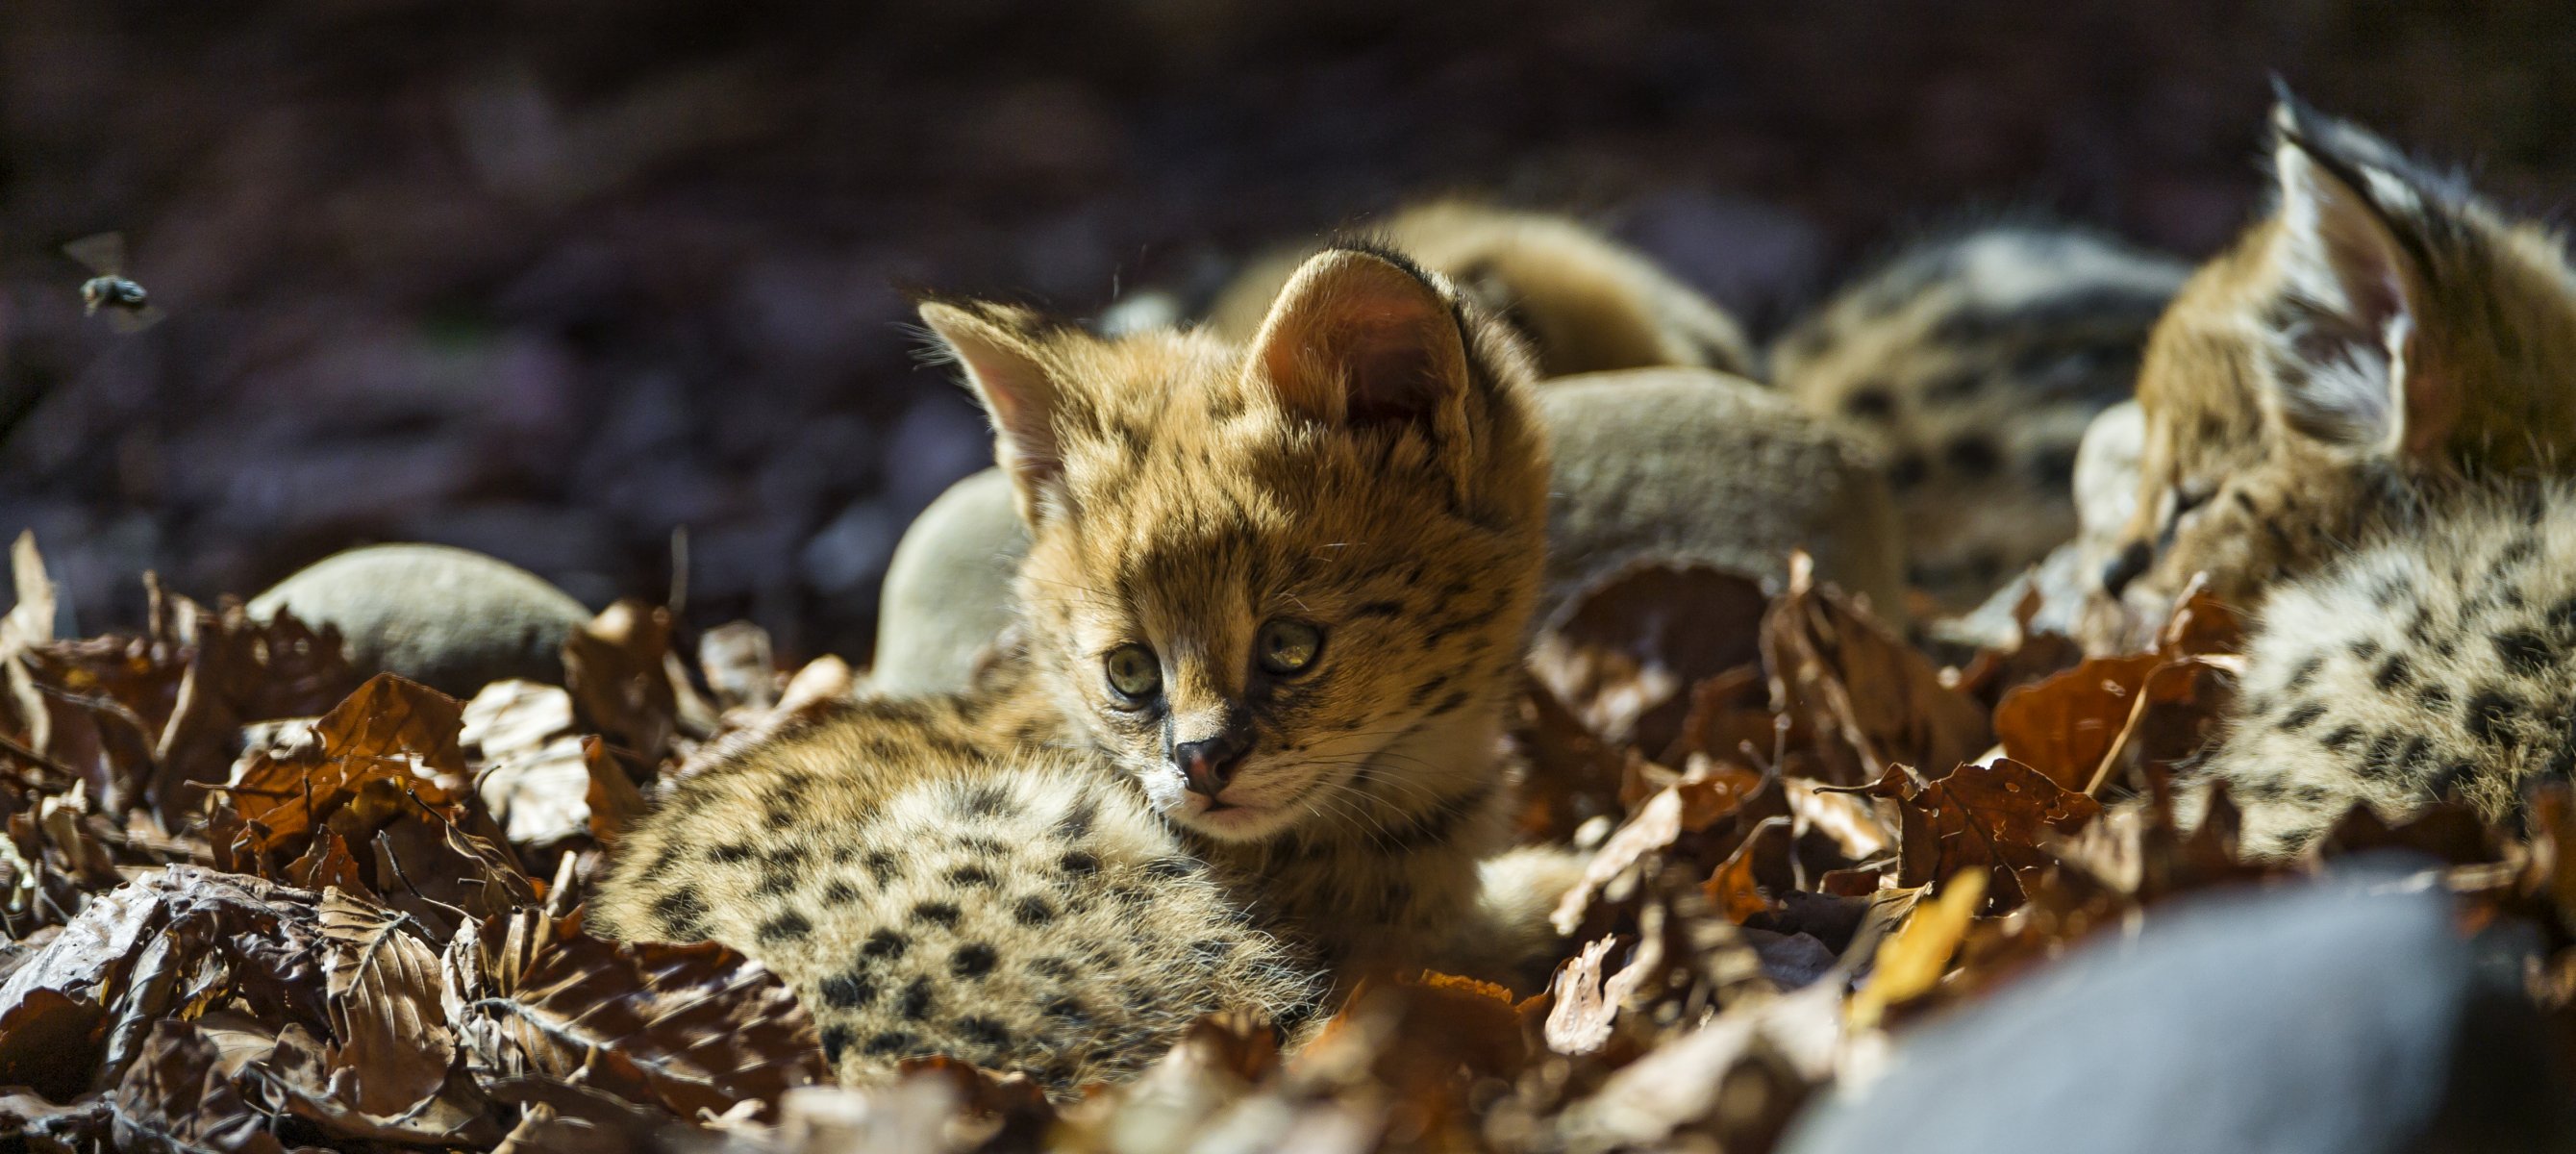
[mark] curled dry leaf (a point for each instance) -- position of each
(1699, 799)
(1986, 819)
(1914, 959)
(617, 668)
(1625, 654)
(174, 942)
(390, 743)
(176, 1098)
(535, 780)
(1736, 890)
(684, 1027)
(2115, 715)
(239, 671)
(1732, 1082)
(1851, 823)
(1587, 998)
(736, 660)
(1574, 776)
(383, 994)
(1867, 699)
(51, 1042)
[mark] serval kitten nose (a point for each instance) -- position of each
(1207, 765)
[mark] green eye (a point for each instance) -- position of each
(1134, 675)
(1286, 646)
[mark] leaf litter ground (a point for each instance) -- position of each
(254, 903)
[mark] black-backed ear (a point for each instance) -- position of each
(1357, 338)
(2356, 339)
(1005, 369)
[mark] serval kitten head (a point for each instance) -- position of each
(2383, 326)
(1284, 583)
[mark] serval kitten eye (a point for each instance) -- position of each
(1287, 647)
(1134, 675)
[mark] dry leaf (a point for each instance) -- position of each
(685, 1027)
(1980, 819)
(1914, 959)
(383, 995)
(1868, 699)
(1625, 654)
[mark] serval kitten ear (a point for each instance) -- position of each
(1359, 338)
(2355, 350)
(1006, 367)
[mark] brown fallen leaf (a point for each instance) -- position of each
(1762, 861)
(1624, 654)
(176, 1098)
(683, 1027)
(1710, 792)
(173, 942)
(52, 1042)
(1980, 819)
(383, 993)
(1573, 777)
(618, 670)
(1867, 699)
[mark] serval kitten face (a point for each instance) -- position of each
(2383, 326)
(1283, 583)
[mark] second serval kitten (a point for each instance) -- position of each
(1272, 620)
(2354, 424)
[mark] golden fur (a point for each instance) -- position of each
(2353, 422)
(1384, 479)
(1367, 466)
(2383, 327)
(1584, 302)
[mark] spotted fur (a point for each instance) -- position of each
(1366, 466)
(1974, 361)
(2383, 327)
(924, 898)
(2438, 662)
(1583, 302)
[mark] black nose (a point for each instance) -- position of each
(2120, 570)
(1207, 765)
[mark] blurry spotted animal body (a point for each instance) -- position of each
(1583, 302)
(2355, 424)
(1271, 623)
(1974, 362)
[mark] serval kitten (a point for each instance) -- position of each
(2382, 328)
(1271, 623)
(2353, 424)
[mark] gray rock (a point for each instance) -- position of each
(451, 619)
(1663, 464)
(948, 589)
(2343, 1017)
(1696, 466)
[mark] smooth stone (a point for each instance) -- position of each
(452, 619)
(1685, 465)
(2347, 1016)
(948, 588)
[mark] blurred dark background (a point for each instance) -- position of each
(547, 278)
